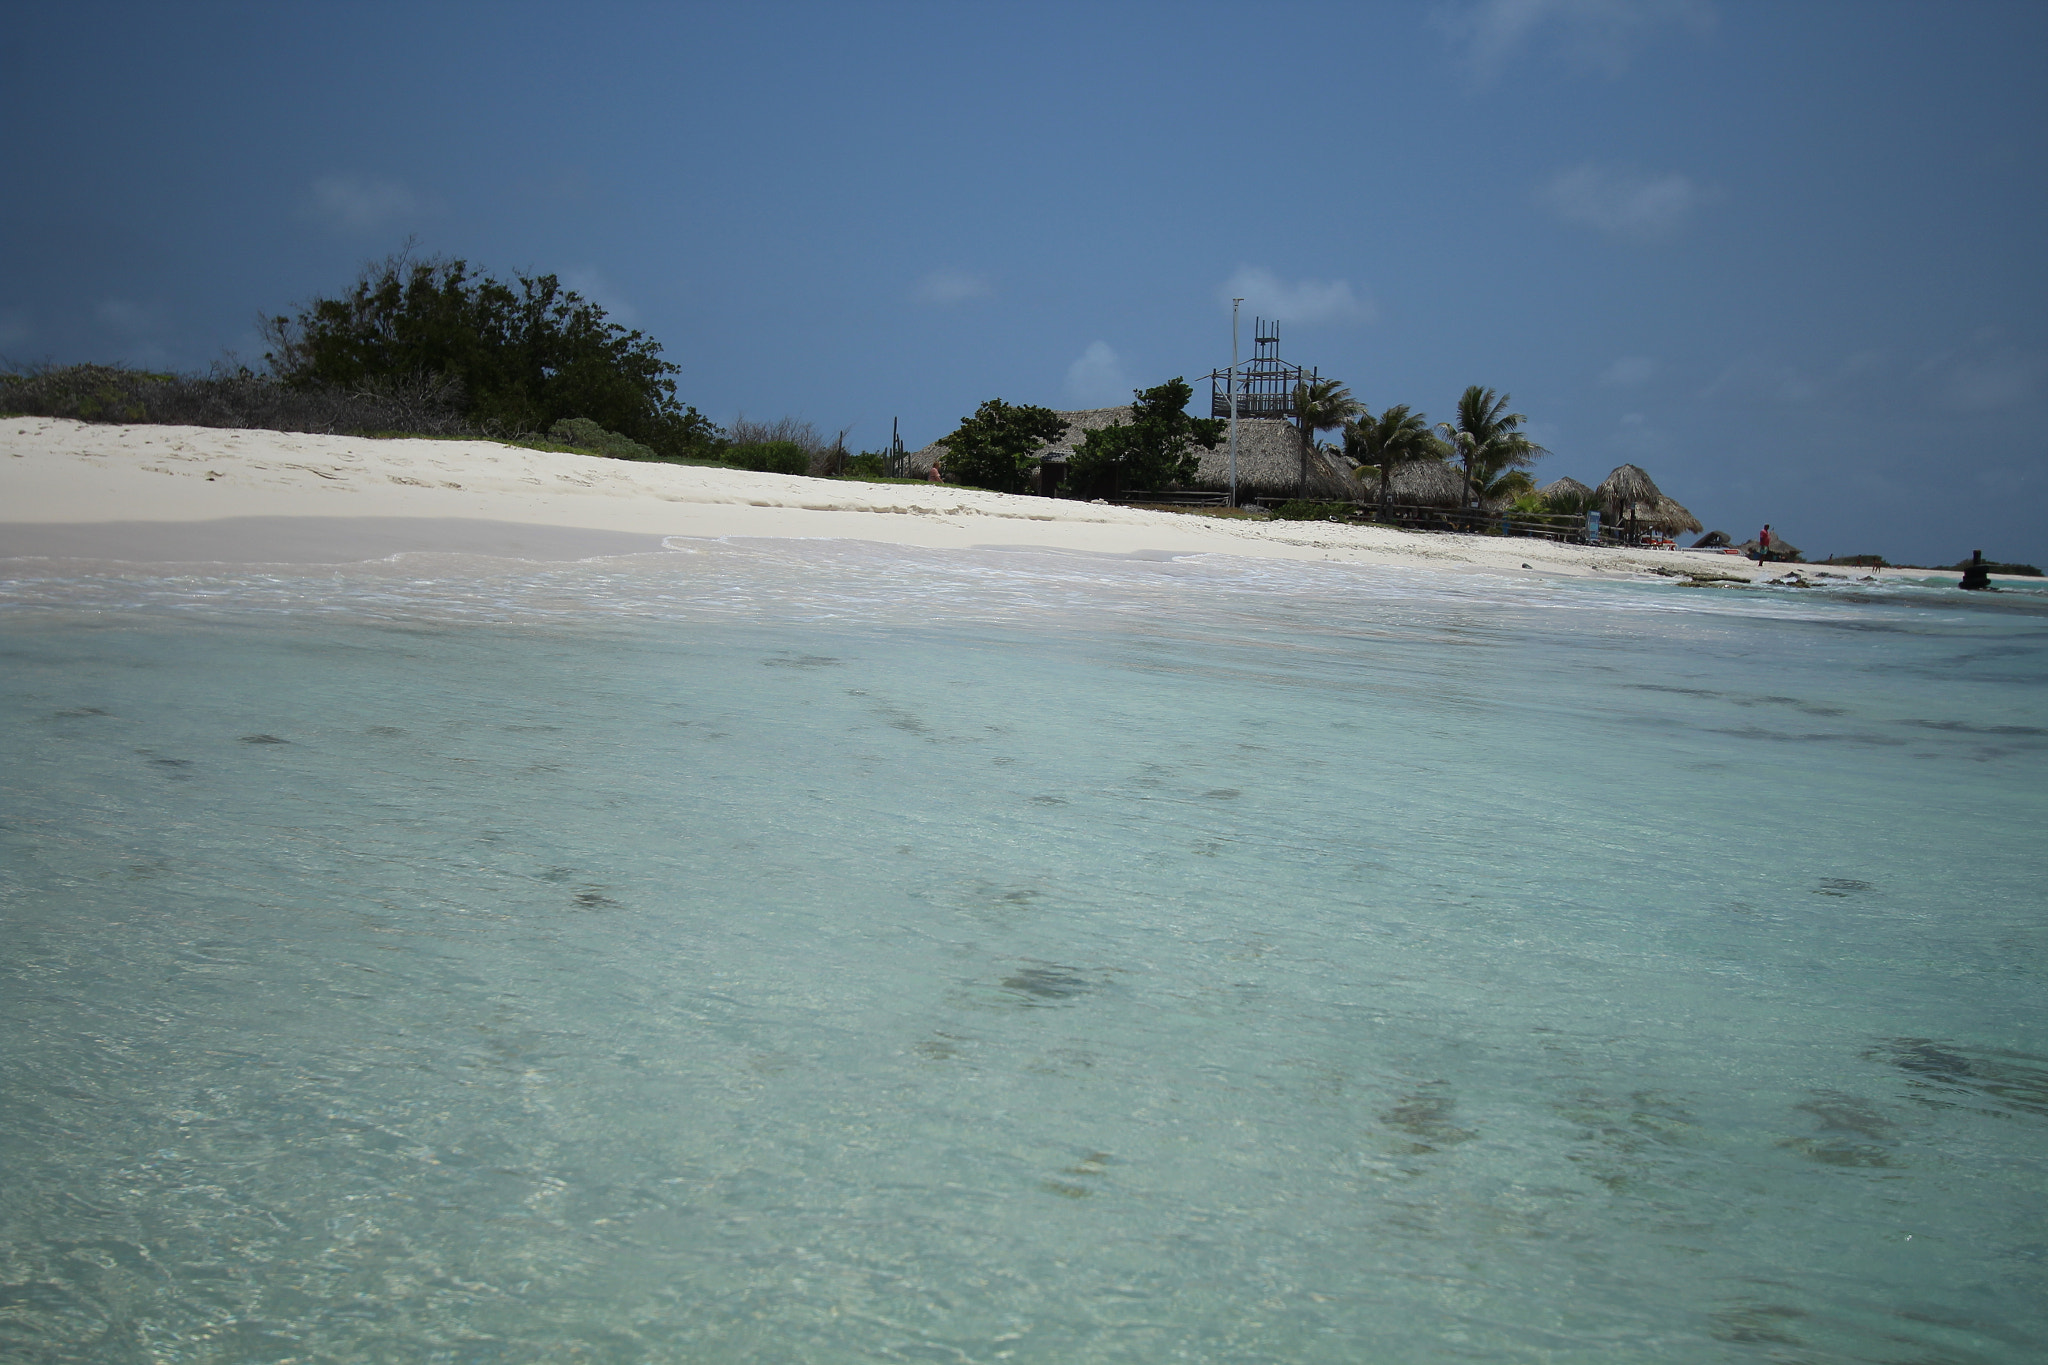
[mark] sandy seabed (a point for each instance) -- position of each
(161, 494)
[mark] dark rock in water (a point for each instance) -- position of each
(1975, 576)
(1047, 983)
(2014, 1082)
(1427, 1115)
(263, 739)
(1852, 1132)
(1929, 1059)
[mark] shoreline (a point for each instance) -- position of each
(165, 494)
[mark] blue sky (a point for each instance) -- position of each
(1786, 257)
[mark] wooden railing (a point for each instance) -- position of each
(1566, 527)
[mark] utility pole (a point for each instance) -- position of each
(1233, 400)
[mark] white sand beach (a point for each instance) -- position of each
(167, 493)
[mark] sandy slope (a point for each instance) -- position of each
(68, 488)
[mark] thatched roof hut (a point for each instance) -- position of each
(1269, 465)
(1567, 490)
(1627, 487)
(1628, 494)
(1781, 548)
(1079, 424)
(1425, 483)
(1667, 516)
(1268, 457)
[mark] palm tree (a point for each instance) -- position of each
(1320, 404)
(1510, 484)
(1396, 436)
(1488, 439)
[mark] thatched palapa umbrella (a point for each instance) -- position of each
(1568, 491)
(1781, 549)
(1670, 518)
(1629, 495)
(1627, 491)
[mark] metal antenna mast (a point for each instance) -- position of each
(1233, 400)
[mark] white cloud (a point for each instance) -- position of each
(1602, 35)
(1986, 383)
(1759, 379)
(1097, 378)
(1637, 439)
(1629, 372)
(1621, 203)
(944, 288)
(356, 204)
(1308, 302)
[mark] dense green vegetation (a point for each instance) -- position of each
(422, 405)
(997, 447)
(1320, 404)
(583, 434)
(769, 457)
(1395, 437)
(869, 464)
(1489, 440)
(526, 355)
(1155, 449)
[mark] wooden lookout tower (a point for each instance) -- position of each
(1265, 383)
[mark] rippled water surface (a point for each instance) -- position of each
(812, 952)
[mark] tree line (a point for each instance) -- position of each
(997, 447)
(1485, 438)
(418, 347)
(526, 354)
(435, 346)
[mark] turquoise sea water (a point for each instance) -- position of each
(807, 951)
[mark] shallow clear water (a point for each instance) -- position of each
(815, 952)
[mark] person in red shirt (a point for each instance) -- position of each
(1763, 544)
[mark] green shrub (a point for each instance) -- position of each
(1298, 510)
(770, 457)
(520, 356)
(868, 465)
(997, 448)
(422, 405)
(1155, 449)
(585, 434)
